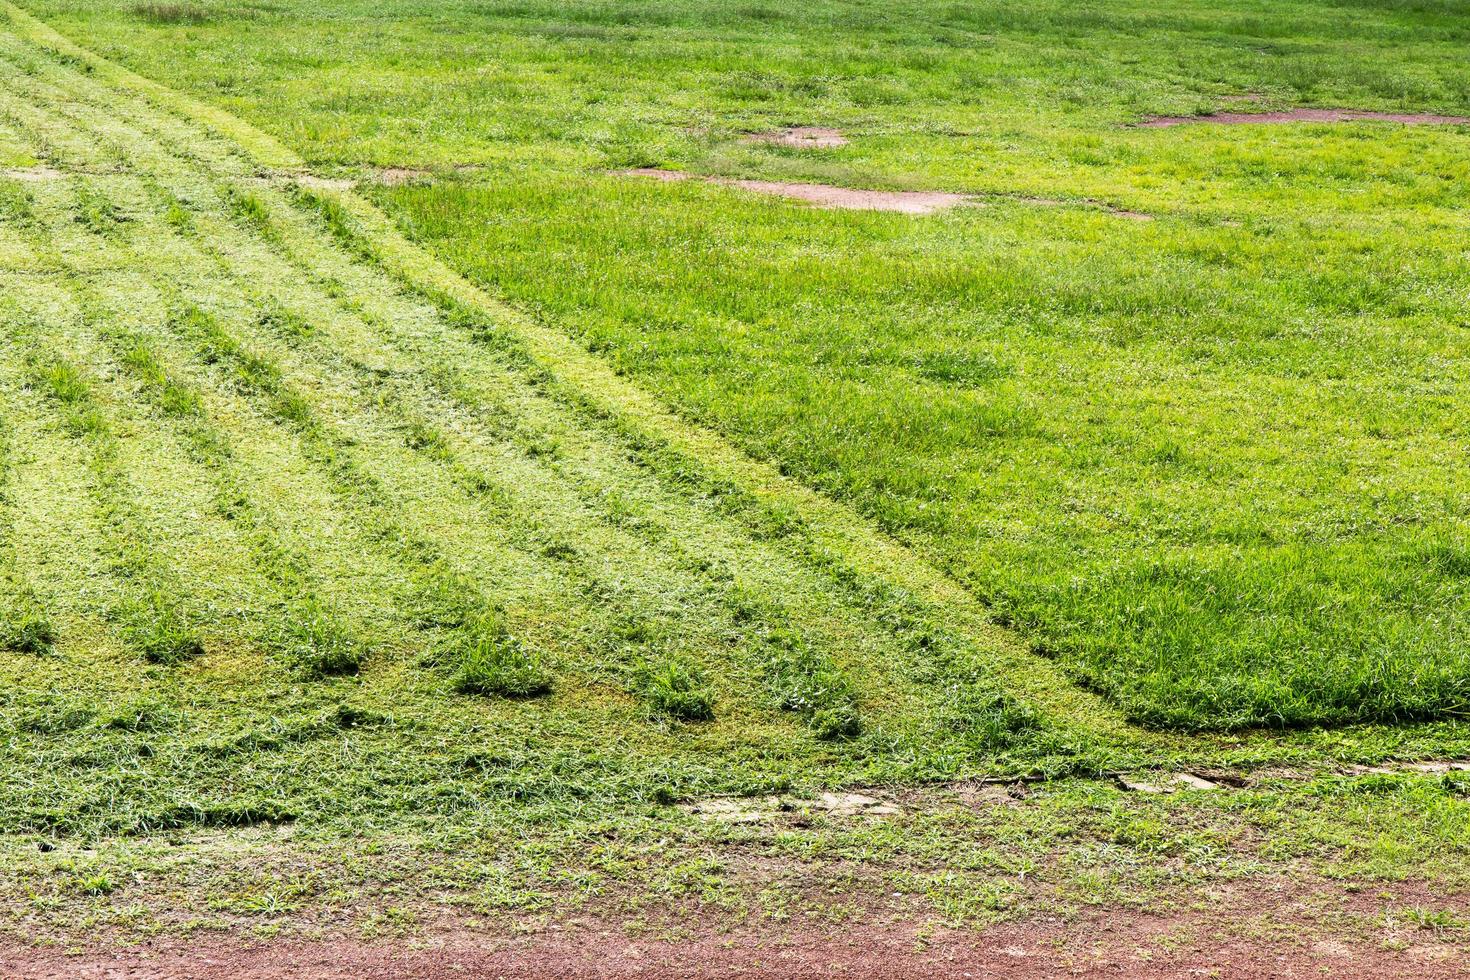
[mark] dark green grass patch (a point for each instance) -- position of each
(24, 628)
(314, 642)
(487, 659)
(676, 689)
(153, 625)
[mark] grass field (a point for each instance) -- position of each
(468, 520)
(1211, 463)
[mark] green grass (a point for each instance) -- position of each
(306, 490)
(299, 527)
(1206, 462)
(489, 660)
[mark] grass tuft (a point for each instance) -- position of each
(677, 689)
(171, 13)
(154, 626)
(314, 643)
(991, 720)
(810, 684)
(16, 206)
(488, 659)
(26, 630)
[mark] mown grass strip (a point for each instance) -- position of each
(482, 653)
(24, 624)
(310, 634)
(311, 637)
(488, 658)
(154, 619)
(475, 628)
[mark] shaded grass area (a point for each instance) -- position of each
(1209, 463)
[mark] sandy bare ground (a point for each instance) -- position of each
(1307, 115)
(826, 196)
(1248, 935)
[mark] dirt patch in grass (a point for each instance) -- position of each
(798, 812)
(827, 196)
(906, 202)
(398, 176)
(32, 175)
(1306, 116)
(800, 137)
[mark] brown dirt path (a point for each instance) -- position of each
(1249, 934)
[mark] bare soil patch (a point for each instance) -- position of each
(398, 176)
(1307, 116)
(32, 175)
(801, 137)
(1259, 929)
(768, 809)
(847, 198)
(826, 196)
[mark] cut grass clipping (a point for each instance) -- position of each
(151, 618)
(811, 685)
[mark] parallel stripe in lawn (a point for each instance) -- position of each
(154, 618)
(780, 662)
